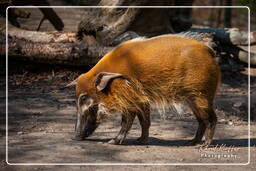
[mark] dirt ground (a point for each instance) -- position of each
(41, 122)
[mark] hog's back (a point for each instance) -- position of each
(167, 65)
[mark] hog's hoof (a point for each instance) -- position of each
(206, 144)
(141, 141)
(112, 141)
(77, 138)
(192, 142)
(115, 141)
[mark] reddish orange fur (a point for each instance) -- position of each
(164, 69)
(161, 70)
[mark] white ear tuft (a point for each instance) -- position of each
(103, 79)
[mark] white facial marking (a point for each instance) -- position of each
(102, 111)
(86, 105)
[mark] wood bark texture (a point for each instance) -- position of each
(64, 48)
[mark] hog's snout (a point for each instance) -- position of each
(85, 126)
(79, 136)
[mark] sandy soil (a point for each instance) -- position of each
(41, 122)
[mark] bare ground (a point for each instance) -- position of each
(41, 122)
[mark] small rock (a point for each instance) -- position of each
(51, 130)
(230, 123)
(222, 120)
(238, 104)
(19, 133)
(181, 159)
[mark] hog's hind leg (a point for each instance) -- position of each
(206, 118)
(211, 127)
(144, 119)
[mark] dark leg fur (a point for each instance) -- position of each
(144, 119)
(126, 124)
(210, 127)
(207, 121)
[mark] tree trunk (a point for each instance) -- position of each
(105, 24)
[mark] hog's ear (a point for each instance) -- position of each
(104, 78)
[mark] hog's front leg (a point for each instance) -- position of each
(126, 124)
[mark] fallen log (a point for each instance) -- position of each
(46, 47)
(241, 54)
(232, 36)
(244, 57)
(63, 48)
(54, 53)
(42, 37)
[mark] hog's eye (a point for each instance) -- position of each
(83, 98)
(86, 100)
